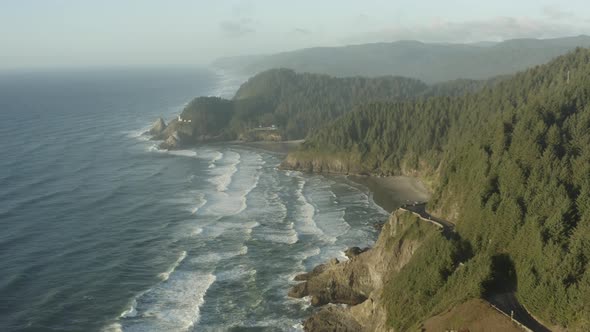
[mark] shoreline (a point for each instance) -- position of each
(392, 191)
(280, 147)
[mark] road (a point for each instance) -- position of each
(420, 210)
(505, 302)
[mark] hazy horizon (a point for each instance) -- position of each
(68, 34)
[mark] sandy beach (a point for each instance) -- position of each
(388, 192)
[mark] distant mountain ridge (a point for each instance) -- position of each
(429, 62)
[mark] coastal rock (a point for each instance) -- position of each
(172, 142)
(321, 164)
(315, 272)
(332, 319)
(158, 127)
(358, 282)
(354, 251)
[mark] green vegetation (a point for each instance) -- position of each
(441, 272)
(509, 160)
(298, 104)
(428, 62)
(208, 115)
(523, 184)
(512, 164)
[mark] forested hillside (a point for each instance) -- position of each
(300, 103)
(428, 62)
(297, 104)
(510, 166)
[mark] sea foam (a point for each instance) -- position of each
(173, 305)
(165, 275)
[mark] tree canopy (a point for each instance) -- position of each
(511, 165)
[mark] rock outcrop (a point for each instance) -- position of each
(158, 127)
(321, 164)
(172, 142)
(358, 282)
(354, 251)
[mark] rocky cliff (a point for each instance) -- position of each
(359, 282)
(352, 164)
(178, 135)
(323, 163)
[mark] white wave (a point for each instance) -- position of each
(140, 134)
(222, 181)
(183, 153)
(244, 195)
(309, 253)
(251, 225)
(331, 218)
(238, 273)
(378, 207)
(305, 260)
(113, 327)
(217, 157)
(332, 223)
(293, 173)
(201, 201)
(165, 275)
(173, 305)
(281, 236)
(243, 180)
(278, 230)
(215, 257)
(179, 153)
(224, 174)
(307, 214)
(355, 194)
(280, 324)
(190, 201)
(216, 228)
(154, 148)
(131, 311)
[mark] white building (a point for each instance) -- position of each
(183, 120)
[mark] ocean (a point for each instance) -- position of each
(101, 231)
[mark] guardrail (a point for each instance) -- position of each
(434, 222)
(519, 324)
(442, 227)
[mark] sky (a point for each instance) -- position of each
(99, 33)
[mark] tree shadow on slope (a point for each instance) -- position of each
(500, 290)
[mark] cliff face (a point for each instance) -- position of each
(260, 135)
(319, 163)
(359, 282)
(352, 164)
(178, 135)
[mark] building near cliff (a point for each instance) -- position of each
(269, 128)
(180, 119)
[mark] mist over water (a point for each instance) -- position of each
(101, 231)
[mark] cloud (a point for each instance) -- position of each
(494, 29)
(237, 28)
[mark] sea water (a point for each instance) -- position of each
(102, 231)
